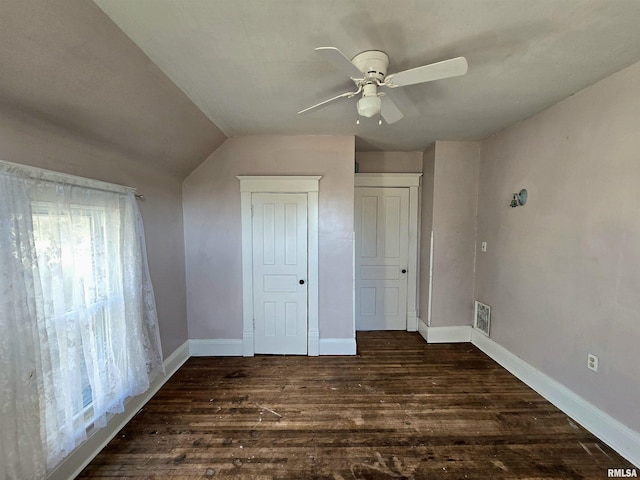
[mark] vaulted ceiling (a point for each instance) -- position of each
(156, 80)
(250, 65)
(65, 66)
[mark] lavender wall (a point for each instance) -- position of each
(212, 230)
(456, 167)
(562, 273)
(426, 225)
(389, 162)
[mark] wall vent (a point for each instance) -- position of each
(482, 318)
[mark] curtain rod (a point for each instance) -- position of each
(43, 174)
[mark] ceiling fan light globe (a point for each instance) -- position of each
(369, 106)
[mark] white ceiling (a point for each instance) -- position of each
(249, 65)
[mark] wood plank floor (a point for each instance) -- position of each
(399, 409)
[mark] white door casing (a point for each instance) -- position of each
(250, 185)
(280, 273)
(410, 182)
(382, 242)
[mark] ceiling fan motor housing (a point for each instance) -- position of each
(372, 63)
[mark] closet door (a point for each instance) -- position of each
(382, 242)
(280, 293)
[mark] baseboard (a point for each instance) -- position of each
(71, 466)
(234, 348)
(618, 436)
(457, 334)
(337, 346)
(314, 343)
(412, 321)
(216, 348)
(423, 329)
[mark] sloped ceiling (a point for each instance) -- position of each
(64, 62)
(249, 65)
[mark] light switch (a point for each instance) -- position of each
(484, 246)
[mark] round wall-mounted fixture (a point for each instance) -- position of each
(519, 198)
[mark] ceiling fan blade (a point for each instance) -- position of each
(326, 102)
(389, 110)
(427, 73)
(340, 61)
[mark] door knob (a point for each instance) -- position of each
(301, 282)
(404, 270)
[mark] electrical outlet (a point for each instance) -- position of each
(483, 246)
(592, 362)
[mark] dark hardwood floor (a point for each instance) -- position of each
(399, 409)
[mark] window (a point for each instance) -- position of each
(77, 313)
(70, 245)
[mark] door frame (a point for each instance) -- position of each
(309, 184)
(412, 182)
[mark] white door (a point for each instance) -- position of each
(280, 272)
(382, 242)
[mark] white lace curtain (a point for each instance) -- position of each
(78, 324)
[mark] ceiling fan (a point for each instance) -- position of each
(368, 70)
